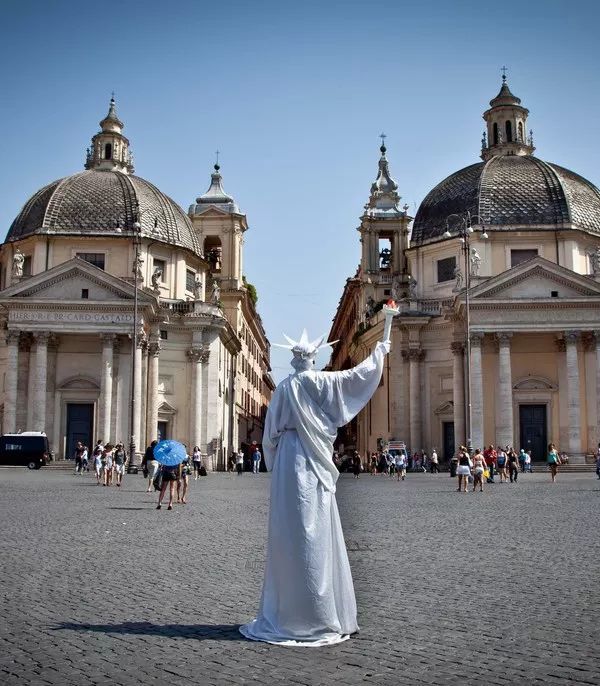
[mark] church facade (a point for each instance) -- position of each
(86, 257)
(522, 234)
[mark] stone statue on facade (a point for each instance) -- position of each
(458, 276)
(595, 261)
(18, 260)
(412, 287)
(216, 292)
(197, 288)
(370, 308)
(396, 290)
(156, 279)
(138, 272)
(475, 262)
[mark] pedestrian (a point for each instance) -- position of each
(454, 464)
(256, 458)
(400, 465)
(501, 459)
(522, 460)
(553, 461)
(479, 466)
(435, 464)
(119, 458)
(107, 457)
(390, 462)
(598, 461)
(183, 480)
(424, 461)
(356, 464)
(239, 462)
(529, 462)
(196, 461)
(513, 464)
(78, 457)
(382, 463)
(464, 469)
(373, 464)
(490, 455)
(150, 465)
(170, 475)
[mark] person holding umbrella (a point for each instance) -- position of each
(170, 454)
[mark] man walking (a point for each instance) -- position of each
(239, 462)
(256, 458)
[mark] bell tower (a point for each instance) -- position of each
(384, 232)
(110, 149)
(506, 121)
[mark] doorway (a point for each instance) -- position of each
(533, 430)
(163, 431)
(80, 425)
(448, 438)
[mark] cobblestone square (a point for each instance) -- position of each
(495, 588)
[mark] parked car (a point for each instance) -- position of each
(29, 448)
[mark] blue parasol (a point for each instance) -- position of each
(170, 453)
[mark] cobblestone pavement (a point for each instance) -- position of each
(98, 587)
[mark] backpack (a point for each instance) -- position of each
(501, 460)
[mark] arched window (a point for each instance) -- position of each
(508, 131)
(520, 130)
(108, 151)
(495, 133)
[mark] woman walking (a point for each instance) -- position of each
(501, 462)
(169, 478)
(197, 461)
(513, 465)
(119, 463)
(553, 461)
(185, 469)
(108, 464)
(479, 466)
(464, 469)
(356, 464)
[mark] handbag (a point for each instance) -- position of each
(158, 479)
(203, 471)
(145, 472)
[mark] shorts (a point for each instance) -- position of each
(478, 470)
(170, 476)
(463, 470)
(152, 467)
(119, 469)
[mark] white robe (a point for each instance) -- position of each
(308, 594)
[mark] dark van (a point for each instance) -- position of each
(29, 448)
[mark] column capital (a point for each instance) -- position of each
(571, 337)
(416, 354)
(457, 347)
(477, 339)
(41, 337)
(12, 337)
(53, 342)
(199, 353)
(503, 337)
(108, 338)
(154, 348)
(24, 342)
(561, 345)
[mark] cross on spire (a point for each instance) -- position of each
(383, 137)
(217, 167)
(503, 70)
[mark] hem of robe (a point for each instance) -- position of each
(326, 639)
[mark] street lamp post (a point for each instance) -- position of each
(465, 230)
(137, 276)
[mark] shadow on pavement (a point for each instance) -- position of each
(201, 632)
(133, 508)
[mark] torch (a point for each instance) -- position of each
(390, 310)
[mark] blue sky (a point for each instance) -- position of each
(294, 95)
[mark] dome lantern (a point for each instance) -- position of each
(110, 148)
(384, 198)
(506, 125)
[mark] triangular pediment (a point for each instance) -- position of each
(67, 281)
(536, 279)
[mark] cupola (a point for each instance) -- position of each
(384, 198)
(506, 126)
(110, 148)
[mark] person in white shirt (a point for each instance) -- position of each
(400, 466)
(239, 462)
(435, 463)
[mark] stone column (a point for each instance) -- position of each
(597, 334)
(106, 389)
(152, 415)
(23, 393)
(458, 392)
(40, 371)
(504, 421)
(415, 356)
(10, 382)
(196, 355)
(574, 410)
(137, 395)
(476, 392)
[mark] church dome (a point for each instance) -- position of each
(511, 192)
(511, 189)
(103, 202)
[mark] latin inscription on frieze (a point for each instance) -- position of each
(69, 317)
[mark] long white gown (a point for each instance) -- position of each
(308, 595)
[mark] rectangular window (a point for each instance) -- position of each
(164, 334)
(445, 269)
(520, 256)
(162, 266)
(95, 258)
(190, 280)
(85, 293)
(27, 266)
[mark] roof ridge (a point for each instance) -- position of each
(556, 178)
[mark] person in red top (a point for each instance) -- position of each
(489, 455)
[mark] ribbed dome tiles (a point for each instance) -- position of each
(99, 202)
(510, 191)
